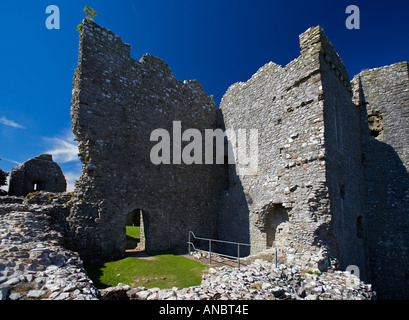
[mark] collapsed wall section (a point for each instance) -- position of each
(382, 95)
(117, 103)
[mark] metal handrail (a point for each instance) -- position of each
(190, 243)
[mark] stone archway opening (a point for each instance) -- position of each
(273, 222)
(137, 230)
(277, 226)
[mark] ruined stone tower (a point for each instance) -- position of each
(331, 187)
(307, 193)
(117, 103)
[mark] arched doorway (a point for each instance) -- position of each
(273, 223)
(137, 230)
(277, 226)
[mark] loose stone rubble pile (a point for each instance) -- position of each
(35, 264)
(261, 280)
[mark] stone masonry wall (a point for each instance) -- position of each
(344, 172)
(288, 199)
(306, 197)
(34, 261)
(382, 95)
(117, 103)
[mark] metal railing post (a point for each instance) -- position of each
(210, 251)
(188, 247)
(238, 255)
(192, 237)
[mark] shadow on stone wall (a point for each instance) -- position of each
(233, 219)
(387, 219)
(386, 212)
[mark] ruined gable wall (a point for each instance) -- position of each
(382, 94)
(117, 103)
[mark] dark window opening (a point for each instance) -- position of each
(359, 227)
(375, 133)
(342, 191)
(363, 157)
(37, 186)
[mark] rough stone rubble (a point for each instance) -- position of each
(34, 264)
(259, 281)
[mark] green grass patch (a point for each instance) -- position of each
(162, 271)
(133, 233)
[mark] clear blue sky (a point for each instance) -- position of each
(217, 42)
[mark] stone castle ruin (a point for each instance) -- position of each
(332, 185)
(37, 174)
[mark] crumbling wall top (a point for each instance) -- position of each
(118, 105)
(104, 36)
(314, 41)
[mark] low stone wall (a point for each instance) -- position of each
(33, 262)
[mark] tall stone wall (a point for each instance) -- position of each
(117, 103)
(293, 201)
(345, 236)
(283, 104)
(382, 95)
